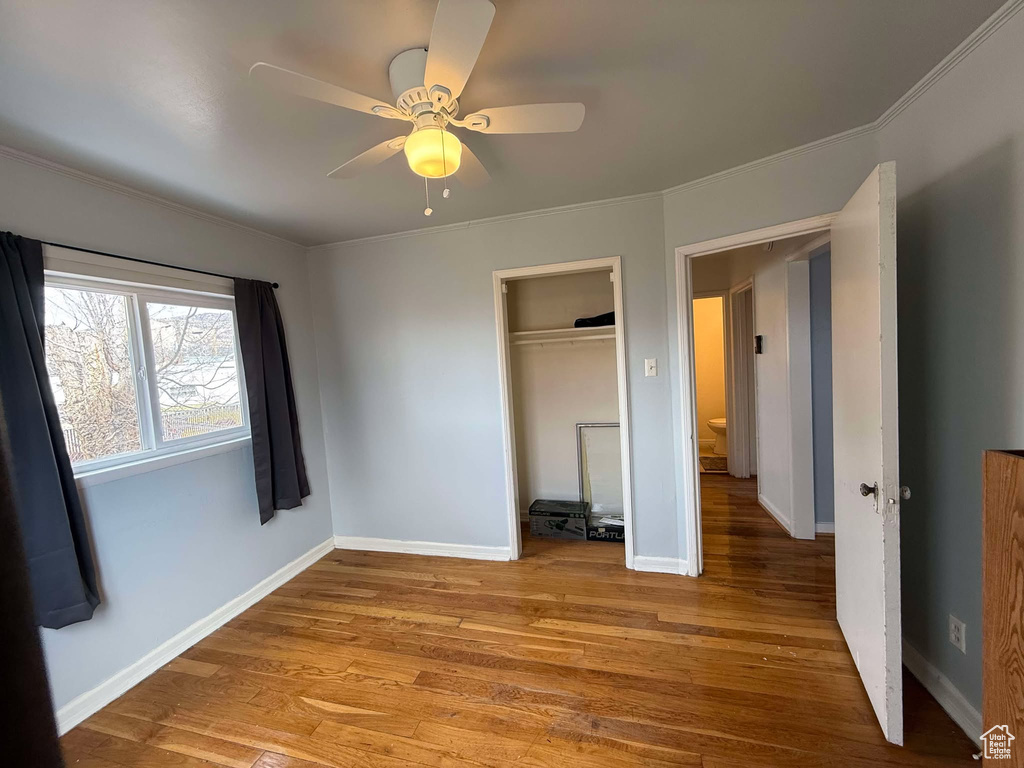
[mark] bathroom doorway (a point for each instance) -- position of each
(724, 377)
(752, 331)
(710, 353)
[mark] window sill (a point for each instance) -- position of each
(89, 478)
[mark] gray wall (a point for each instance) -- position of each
(959, 152)
(820, 277)
(409, 372)
(174, 544)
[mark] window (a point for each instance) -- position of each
(141, 371)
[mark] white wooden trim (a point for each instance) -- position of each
(689, 496)
(825, 527)
(151, 462)
(434, 548)
(798, 386)
(942, 689)
(625, 444)
(90, 702)
(112, 186)
(780, 516)
(501, 277)
(758, 236)
(804, 252)
(741, 359)
(558, 268)
(500, 219)
(67, 261)
(661, 565)
(508, 421)
(137, 295)
(944, 67)
(688, 500)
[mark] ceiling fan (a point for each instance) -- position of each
(427, 84)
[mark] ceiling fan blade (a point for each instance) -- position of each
(527, 118)
(472, 172)
(368, 159)
(460, 27)
(303, 85)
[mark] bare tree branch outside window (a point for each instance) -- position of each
(88, 357)
(196, 374)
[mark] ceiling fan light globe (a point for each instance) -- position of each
(433, 152)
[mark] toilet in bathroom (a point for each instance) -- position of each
(721, 438)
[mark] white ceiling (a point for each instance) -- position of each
(155, 95)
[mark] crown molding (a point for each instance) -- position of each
(944, 67)
(787, 154)
(940, 70)
(112, 186)
(972, 42)
(660, 195)
(572, 207)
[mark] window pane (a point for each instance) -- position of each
(88, 357)
(196, 377)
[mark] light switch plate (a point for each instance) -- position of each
(651, 366)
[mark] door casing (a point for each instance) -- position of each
(688, 500)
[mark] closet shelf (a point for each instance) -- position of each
(562, 335)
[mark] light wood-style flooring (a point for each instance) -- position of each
(563, 658)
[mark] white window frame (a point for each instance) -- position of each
(138, 296)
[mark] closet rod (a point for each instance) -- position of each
(143, 261)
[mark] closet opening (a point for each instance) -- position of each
(565, 404)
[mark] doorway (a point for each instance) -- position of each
(865, 440)
(535, 319)
(710, 354)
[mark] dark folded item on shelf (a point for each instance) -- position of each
(608, 318)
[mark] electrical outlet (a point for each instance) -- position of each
(958, 633)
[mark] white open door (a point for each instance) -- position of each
(866, 442)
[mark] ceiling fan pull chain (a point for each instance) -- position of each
(426, 189)
(444, 166)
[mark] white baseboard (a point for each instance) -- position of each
(824, 527)
(434, 548)
(90, 702)
(948, 695)
(660, 564)
(775, 512)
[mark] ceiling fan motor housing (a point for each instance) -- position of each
(407, 73)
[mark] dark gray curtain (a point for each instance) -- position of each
(56, 540)
(28, 731)
(281, 481)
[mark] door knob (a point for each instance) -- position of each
(904, 492)
(868, 490)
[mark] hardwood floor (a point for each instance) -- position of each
(563, 658)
